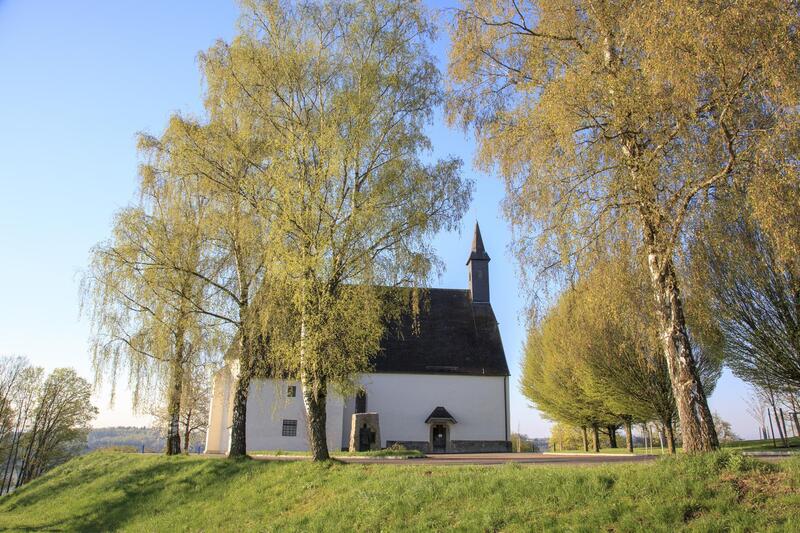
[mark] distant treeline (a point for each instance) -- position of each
(150, 438)
(137, 437)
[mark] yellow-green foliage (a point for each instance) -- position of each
(335, 97)
(601, 114)
(112, 491)
(141, 292)
(750, 290)
(618, 121)
(595, 357)
(279, 216)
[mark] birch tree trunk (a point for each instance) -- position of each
(697, 425)
(238, 446)
(174, 398)
(315, 401)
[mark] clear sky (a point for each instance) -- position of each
(78, 79)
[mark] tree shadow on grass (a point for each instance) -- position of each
(141, 488)
(124, 498)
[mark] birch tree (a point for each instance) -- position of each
(142, 290)
(341, 92)
(194, 406)
(606, 115)
(595, 358)
(616, 333)
(223, 157)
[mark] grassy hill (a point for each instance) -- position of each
(108, 491)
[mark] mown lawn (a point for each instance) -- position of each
(116, 491)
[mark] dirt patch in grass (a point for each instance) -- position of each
(756, 487)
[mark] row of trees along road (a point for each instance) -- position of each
(622, 121)
(272, 222)
(43, 420)
(595, 361)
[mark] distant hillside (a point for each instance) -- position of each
(150, 438)
(107, 491)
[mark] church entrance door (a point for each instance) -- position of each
(439, 439)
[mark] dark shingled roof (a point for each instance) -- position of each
(440, 413)
(453, 336)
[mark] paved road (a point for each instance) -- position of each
(483, 459)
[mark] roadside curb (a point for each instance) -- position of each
(356, 458)
(347, 458)
(601, 454)
(771, 454)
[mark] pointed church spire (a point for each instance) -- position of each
(478, 265)
(478, 251)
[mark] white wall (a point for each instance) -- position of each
(267, 407)
(347, 420)
(404, 401)
(220, 412)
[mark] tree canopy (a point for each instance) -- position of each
(342, 91)
(610, 119)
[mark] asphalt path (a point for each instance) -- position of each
(480, 459)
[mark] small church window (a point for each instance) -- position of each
(289, 428)
(291, 392)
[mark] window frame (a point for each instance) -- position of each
(288, 427)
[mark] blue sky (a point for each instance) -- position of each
(77, 81)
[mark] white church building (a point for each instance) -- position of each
(440, 387)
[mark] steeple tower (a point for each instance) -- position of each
(478, 267)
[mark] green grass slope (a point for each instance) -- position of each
(116, 491)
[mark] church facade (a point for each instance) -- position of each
(440, 387)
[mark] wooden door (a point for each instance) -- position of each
(439, 439)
